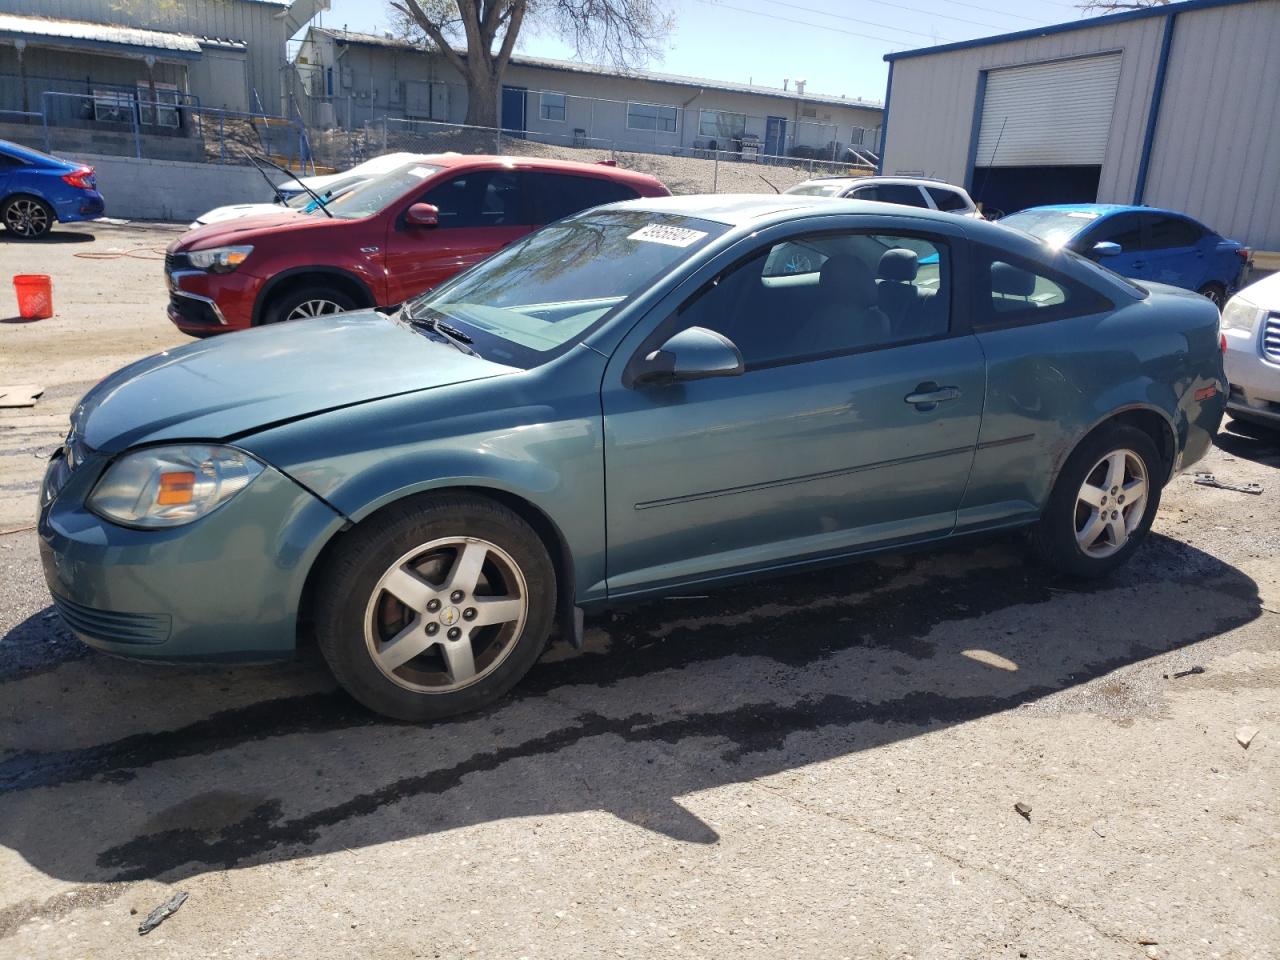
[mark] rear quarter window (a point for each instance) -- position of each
(1013, 291)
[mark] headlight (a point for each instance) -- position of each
(219, 259)
(170, 486)
(1240, 314)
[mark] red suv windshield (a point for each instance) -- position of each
(371, 197)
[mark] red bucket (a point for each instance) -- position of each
(35, 295)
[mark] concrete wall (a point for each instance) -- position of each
(172, 190)
(932, 104)
(1217, 146)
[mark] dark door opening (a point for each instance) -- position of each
(513, 112)
(1010, 189)
(775, 136)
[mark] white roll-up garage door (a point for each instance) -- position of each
(1048, 114)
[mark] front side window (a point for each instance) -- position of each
(480, 198)
(722, 126)
(540, 295)
(651, 116)
(1123, 229)
(828, 294)
(551, 106)
(558, 195)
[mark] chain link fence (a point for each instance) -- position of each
(683, 169)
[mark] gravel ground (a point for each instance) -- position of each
(822, 766)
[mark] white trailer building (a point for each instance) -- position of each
(1175, 106)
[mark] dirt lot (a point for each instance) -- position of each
(824, 766)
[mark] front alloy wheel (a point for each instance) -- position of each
(434, 606)
(445, 614)
(314, 308)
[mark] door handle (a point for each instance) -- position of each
(928, 395)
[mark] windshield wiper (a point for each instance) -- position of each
(450, 333)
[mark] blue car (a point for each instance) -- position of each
(640, 400)
(37, 190)
(1143, 243)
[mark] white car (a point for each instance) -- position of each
(1251, 326)
(907, 191)
(291, 193)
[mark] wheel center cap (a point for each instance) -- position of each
(450, 615)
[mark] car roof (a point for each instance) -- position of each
(742, 208)
(30, 154)
(858, 178)
(600, 169)
(1107, 209)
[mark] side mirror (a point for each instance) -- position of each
(1106, 249)
(692, 354)
(422, 215)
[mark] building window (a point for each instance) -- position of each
(112, 106)
(551, 106)
(160, 110)
(721, 125)
(651, 116)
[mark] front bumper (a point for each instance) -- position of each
(1254, 379)
(201, 303)
(227, 587)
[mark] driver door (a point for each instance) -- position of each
(481, 211)
(824, 445)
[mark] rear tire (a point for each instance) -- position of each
(435, 607)
(1094, 521)
(27, 217)
(305, 302)
(1215, 293)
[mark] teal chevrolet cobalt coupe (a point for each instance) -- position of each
(650, 396)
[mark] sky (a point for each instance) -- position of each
(836, 45)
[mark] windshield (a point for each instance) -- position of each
(528, 302)
(371, 196)
(306, 203)
(818, 188)
(1054, 227)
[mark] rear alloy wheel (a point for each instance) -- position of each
(306, 303)
(27, 218)
(1103, 503)
(435, 607)
(1215, 293)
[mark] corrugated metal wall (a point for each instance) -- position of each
(931, 113)
(1217, 144)
(253, 21)
(1216, 153)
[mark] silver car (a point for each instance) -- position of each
(1251, 328)
(907, 191)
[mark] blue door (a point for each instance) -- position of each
(775, 136)
(854, 424)
(513, 111)
(1124, 230)
(1175, 251)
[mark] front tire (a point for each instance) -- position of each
(435, 607)
(1103, 503)
(307, 302)
(27, 217)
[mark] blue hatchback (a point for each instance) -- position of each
(1143, 243)
(37, 190)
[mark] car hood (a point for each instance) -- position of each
(247, 228)
(231, 385)
(235, 210)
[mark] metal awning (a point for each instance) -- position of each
(127, 41)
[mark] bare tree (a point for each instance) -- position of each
(622, 33)
(1111, 6)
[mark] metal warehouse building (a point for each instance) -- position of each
(1173, 106)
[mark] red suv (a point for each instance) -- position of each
(381, 243)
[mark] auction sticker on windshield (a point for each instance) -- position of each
(668, 235)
